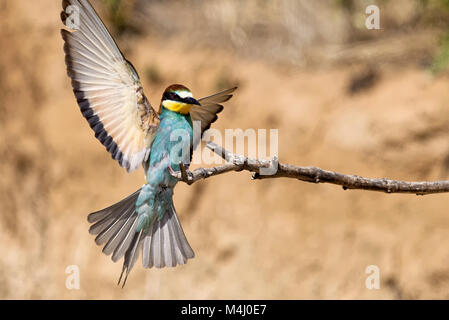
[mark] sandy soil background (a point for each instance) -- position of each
(252, 239)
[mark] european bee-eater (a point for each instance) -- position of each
(111, 98)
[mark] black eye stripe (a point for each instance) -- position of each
(175, 97)
(171, 96)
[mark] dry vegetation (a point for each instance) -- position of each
(264, 239)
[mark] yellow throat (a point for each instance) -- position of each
(176, 106)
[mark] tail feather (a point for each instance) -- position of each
(116, 235)
(164, 246)
(131, 257)
(146, 261)
(112, 230)
(178, 252)
(125, 244)
(112, 211)
(183, 245)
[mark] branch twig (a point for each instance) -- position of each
(307, 174)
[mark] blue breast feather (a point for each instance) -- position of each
(171, 145)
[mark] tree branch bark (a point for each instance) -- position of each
(307, 174)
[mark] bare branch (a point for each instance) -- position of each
(184, 174)
(307, 174)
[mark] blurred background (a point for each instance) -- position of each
(368, 102)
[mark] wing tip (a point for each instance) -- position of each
(83, 100)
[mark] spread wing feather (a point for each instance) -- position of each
(210, 107)
(107, 88)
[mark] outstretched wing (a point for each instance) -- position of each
(210, 107)
(107, 87)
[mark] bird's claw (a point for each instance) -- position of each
(184, 172)
(173, 172)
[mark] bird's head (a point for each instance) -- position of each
(178, 98)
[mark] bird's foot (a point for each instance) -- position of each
(185, 173)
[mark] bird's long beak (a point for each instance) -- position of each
(192, 101)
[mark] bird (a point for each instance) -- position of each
(110, 96)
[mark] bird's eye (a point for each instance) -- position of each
(170, 96)
(174, 96)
